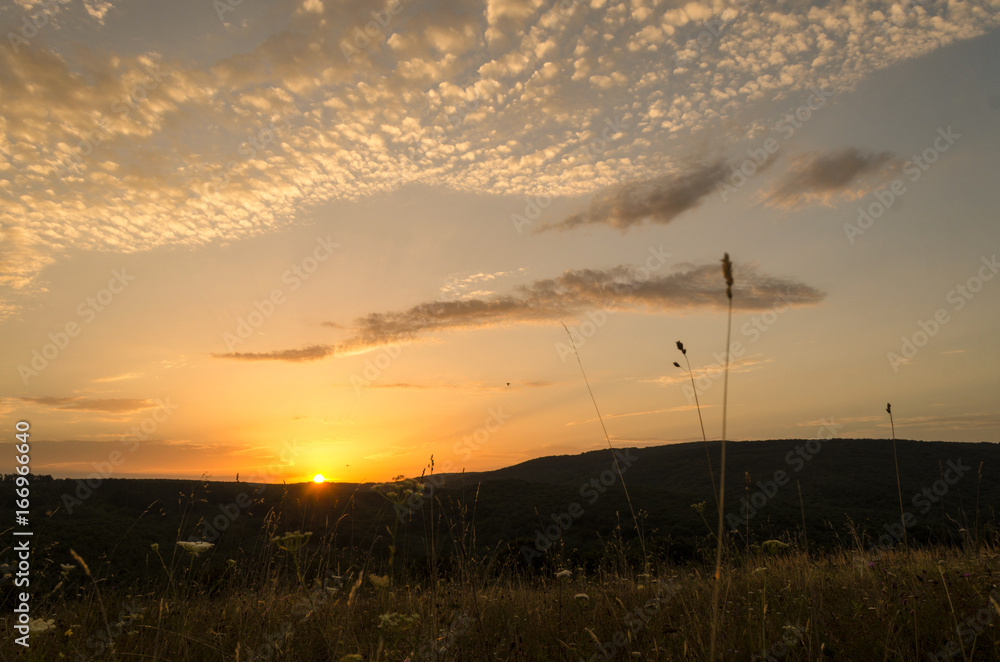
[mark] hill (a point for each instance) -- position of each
(560, 507)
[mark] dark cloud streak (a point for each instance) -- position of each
(111, 405)
(620, 288)
(660, 200)
(824, 175)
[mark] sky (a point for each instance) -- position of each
(298, 237)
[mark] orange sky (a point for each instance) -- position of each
(244, 242)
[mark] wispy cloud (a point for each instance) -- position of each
(117, 378)
(747, 364)
(573, 293)
(310, 353)
(824, 178)
(658, 200)
(465, 386)
(464, 286)
(666, 410)
(111, 405)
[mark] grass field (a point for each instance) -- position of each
(289, 603)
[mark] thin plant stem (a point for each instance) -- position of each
(100, 602)
(701, 420)
(727, 272)
(958, 630)
(635, 520)
(899, 488)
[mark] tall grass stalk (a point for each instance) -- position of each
(635, 520)
(97, 593)
(701, 420)
(727, 272)
(899, 487)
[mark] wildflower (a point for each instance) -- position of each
(582, 597)
(292, 541)
(231, 562)
(773, 546)
(382, 581)
(793, 635)
(195, 547)
(38, 625)
(66, 569)
(400, 489)
(397, 621)
(155, 547)
(564, 574)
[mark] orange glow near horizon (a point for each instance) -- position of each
(318, 478)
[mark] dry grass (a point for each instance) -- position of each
(890, 608)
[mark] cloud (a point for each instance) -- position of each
(620, 288)
(649, 412)
(311, 353)
(500, 97)
(117, 378)
(657, 200)
(816, 177)
(467, 386)
(112, 405)
(459, 286)
(713, 371)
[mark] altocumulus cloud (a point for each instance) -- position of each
(574, 292)
(425, 101)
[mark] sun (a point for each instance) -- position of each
(318, 478)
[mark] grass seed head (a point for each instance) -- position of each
(727, 271)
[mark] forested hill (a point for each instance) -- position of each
(569, 505)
